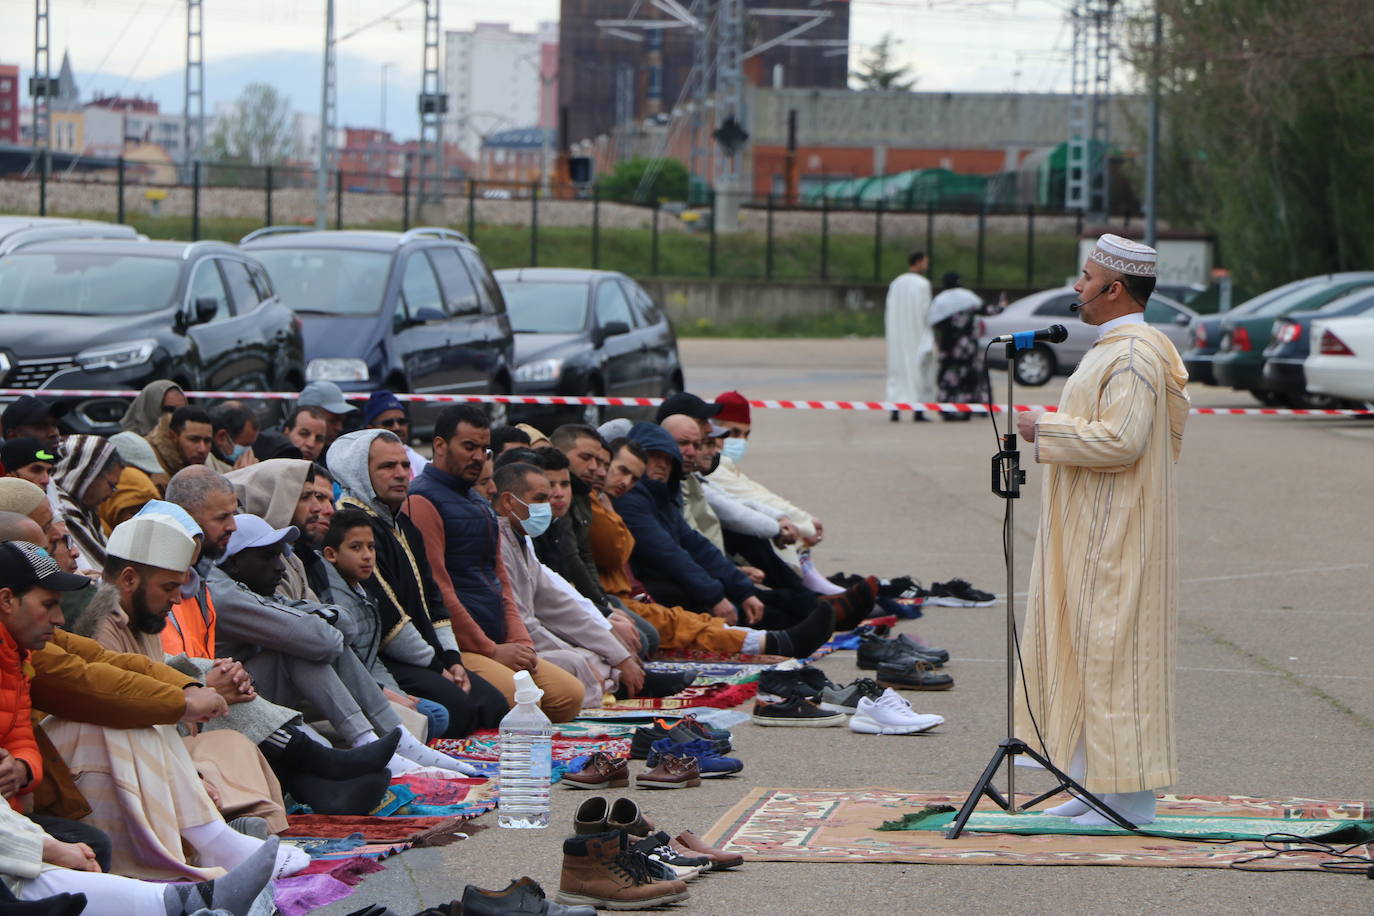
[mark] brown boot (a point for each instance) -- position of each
(603, 872)
(625, 815)
(591, 816)
(601, 772)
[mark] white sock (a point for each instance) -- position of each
(1071, 808)
(1136, 807)
(753, 642)
(814, 580)
(365, 738)
(218, 844)
(411, 749)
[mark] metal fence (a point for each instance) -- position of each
(519, 223)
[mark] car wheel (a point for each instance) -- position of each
(593, 414)
(1310, 401)
(1035, 367)
(499, 412)
(1267, 398)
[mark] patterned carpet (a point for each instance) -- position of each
(825, 825)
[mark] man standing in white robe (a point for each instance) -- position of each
(1102, 610)
(911, 357)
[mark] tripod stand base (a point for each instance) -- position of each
(1008, 750)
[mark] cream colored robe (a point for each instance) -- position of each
(1099, 641)
(911, 357)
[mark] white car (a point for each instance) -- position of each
(1040, 363)
(1342, 359)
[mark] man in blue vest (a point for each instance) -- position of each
(462, 542)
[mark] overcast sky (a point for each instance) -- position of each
(969, 45)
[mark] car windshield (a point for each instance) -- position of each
(328, 281)
(545, 308)
(86, 283)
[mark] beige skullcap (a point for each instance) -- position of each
(1125, 256)
(153, 540)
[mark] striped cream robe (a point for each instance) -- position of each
(1101, 619)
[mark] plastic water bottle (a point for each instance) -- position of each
(526, 759)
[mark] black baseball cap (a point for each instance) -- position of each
(29, 409)
(23, 565)
(686, 403)
(24, 451)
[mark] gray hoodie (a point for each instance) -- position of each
(347, 461)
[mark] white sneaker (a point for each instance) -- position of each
(890, 714)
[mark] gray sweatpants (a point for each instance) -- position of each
(342, 690)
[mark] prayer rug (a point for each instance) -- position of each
(706, 655)
(414, 831)
(321, 883)
(1168, 826)
(710, 672)
(421, 796)
(717, 696)
(826, 825)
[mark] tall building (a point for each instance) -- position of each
(9, 103)
(608, 78)
(498, 79)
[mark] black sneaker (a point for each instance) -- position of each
(875, 651)
(794, 712)
(846, 699)
(643, 738)
(913, 674)
(806, 683)
(958, 593)
(902, 588)
(929, 653)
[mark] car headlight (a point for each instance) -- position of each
(541, 370)
(117, 356)
(5, 365)
(336, 370)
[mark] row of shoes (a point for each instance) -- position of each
(808, 698)
(902, 662)
(617, 860)
(669, 766)
(951, 593)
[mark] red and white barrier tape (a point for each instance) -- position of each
(568, 401)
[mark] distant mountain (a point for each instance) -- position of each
(294, 74)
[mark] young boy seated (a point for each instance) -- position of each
(350, 551)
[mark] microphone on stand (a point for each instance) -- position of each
(1055, 333)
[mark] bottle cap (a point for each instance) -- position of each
(526, 691)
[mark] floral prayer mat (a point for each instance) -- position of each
(828, 825)
(717, 696)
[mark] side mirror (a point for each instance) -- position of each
(426, 315)
(613, 328)
(204, 309)
(1183, 320)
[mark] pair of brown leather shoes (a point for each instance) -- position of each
(670, 773)
(602, 771)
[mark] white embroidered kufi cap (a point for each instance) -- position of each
(153, 540)
(1125, 256)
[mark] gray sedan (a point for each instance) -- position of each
(1040, 363)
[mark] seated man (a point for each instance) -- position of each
(308, 430)
(566, 629)
(386, 411)
(372, 469)
(139, 782)
(283, 492)
(505, 438)
(31, 417)
(680, 567)
(85, 476)
(235, 431)
(129, 612)
(28, 459)
(185, 440)
(293, 651)
(463, 546)
(329, 397)
(679, 629)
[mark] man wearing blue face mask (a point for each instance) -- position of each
(463, 557)
(235, 431)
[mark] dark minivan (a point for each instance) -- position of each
(119, 314)
(414, 312)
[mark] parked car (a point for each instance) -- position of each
(1040, 363)
(587, 332)
(1239, 360)
(18, 231)
(119, 314)
(1342, 363)
(413, 312)
(1205, 333)
(1292, 344)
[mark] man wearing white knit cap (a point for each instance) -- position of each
(1102, 610)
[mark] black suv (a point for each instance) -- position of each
(413, 312)
(119, 314)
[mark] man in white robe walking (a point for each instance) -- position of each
(911, 357)
(1102, 610)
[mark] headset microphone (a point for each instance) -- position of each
(1078, 306)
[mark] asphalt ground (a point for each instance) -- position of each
(1275, 686)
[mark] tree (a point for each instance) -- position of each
(1268, 131)
(877, 71)
(643, 179)
(256, 131)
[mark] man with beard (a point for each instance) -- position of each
(461, 539)
(290, 492)
(33, 417)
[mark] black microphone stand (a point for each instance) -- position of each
(1007, 478)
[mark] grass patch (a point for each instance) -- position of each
(849, 258)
